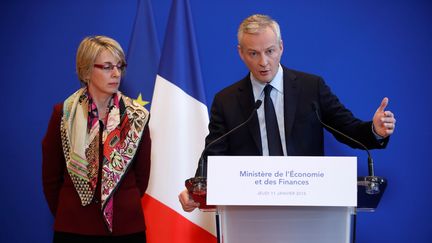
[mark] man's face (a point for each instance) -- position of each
(261, 52)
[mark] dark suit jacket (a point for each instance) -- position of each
(303, 131)
(64, 202)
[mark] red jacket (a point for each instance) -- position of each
(64, 202)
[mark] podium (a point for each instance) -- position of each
(284, 199)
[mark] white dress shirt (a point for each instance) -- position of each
(277, 97)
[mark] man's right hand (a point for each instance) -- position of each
(188, 204)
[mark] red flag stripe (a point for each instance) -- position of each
(178, 230)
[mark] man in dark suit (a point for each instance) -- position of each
(293, 98)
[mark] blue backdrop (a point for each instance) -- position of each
(365, 50)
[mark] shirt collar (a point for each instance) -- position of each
(276, 82)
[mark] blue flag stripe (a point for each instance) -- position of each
(143, 54)
(180, 62)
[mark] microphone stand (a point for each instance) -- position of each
(197, 186)
(371, 182)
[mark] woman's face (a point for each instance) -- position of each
(105, 75)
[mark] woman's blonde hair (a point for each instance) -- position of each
(89, 49)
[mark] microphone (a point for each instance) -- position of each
(201, 160)
(373, 187)
(197, 186)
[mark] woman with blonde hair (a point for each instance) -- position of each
(96, 153)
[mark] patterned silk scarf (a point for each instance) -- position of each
(80, 127)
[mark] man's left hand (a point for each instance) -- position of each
(383, 121)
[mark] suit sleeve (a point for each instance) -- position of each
(53, 161)
(217, 127)
(339, 117)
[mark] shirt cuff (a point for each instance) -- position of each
(378, 137)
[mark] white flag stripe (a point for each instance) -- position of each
(178, 126)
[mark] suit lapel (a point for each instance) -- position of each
(291, 94)
(247, 101)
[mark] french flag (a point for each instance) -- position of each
(178, 126)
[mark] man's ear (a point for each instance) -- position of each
(281, 46)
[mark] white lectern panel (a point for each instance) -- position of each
(271, 199)
(282, 224)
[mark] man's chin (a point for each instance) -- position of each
(264, 79)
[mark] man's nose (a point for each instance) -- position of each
(263, 61)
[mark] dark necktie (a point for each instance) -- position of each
(273, 136)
